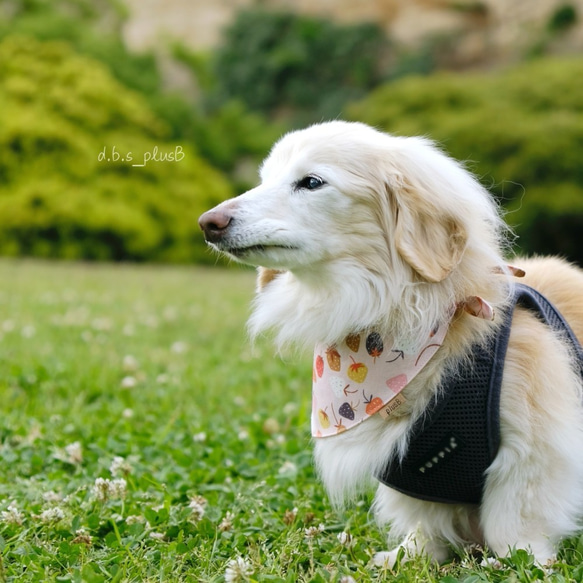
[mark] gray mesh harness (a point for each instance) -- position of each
(455, 442)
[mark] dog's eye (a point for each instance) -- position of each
(310, 183)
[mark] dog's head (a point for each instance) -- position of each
(343, 191)
(370, 229)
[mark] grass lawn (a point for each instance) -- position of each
(144, 439)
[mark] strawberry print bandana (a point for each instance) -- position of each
(364, 374)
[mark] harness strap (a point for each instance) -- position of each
(455, 441)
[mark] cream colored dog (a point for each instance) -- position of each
(358, 230)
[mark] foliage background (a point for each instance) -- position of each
(143, 373)
(70, 89)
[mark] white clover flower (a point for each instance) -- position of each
(119, 465)
(492, 562)
(346, 539)
(243, 435)
(128, 382)
(74, 452)
(157, 535)
(118, 488)
(101, 489)
(290, 408)
(197, 505)
(347, 579)
(170, 313)
(238, 569)
(314, 531)
(289, 516)
(82, 537)
(102, 324)
(179, 347)
(130, 363)
(162, 379)
(53, 514)
(226, 523)
(8, 325)
(28, 331)
(12, 515)
(199, 437)
(135, 519)
(150, 320)
(288, 468)
(270, 426)
(52, 497)
(128, 330)
(70, 454)
(127, 413)
(104, 489)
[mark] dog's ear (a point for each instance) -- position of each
(432, 240)
(265, 276)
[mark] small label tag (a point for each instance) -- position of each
(389, 409)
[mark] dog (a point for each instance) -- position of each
(353, 231)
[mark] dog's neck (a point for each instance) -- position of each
(309, 308)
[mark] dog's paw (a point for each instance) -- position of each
(388, 559)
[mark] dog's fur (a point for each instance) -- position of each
(396, 235)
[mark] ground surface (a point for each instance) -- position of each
(143, 439)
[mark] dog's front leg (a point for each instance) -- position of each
(414, 544)
(428, 528)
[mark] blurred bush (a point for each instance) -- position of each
(93, 28)
(67, 184)
(520, 131)
(277, 61)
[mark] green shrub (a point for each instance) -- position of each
(550, 219)
(227, 134)
(520, 130)
(564, 17)
(272, 61)
(69, 187)
(93, 28)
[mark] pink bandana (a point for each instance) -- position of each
(366, 373)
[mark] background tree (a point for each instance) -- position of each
(522, 138)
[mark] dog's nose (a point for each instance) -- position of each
(214, 224)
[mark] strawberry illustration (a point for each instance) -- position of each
(353, 342)
(333, 357)
(338, 426)
(357, 371)
(374, 344)
(319, 365)
(324, 419)
(337, 385)
(347, 410)
(398, 383)
(373, 404)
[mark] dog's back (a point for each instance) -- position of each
(561, 283)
